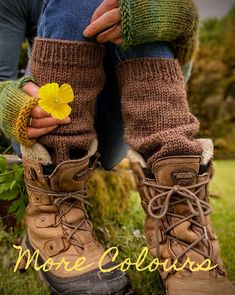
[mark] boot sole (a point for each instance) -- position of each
(25, 247)
(75, 293)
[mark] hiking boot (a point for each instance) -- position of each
(174, 196)
(59, 227)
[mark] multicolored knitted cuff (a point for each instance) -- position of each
(15, 110)
(174, 21)
(22, 122)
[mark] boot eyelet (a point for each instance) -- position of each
(76, 177)
(51, 247)
(33, 174)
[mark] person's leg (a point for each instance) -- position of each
(171, 168)
(109, 123)
(18, 20)
(108, 119)
(156, 115)
(12, 34)
(34, 12)
(58, 224)
(62, 55)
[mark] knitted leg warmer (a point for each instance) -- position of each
(81, 65)
(157, 120)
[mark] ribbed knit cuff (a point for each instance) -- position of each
(157, 120)
(149, 69)
(174, 21)
(68, 53)
(15, 110)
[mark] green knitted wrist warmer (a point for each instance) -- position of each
(174, 21)
(15, 109)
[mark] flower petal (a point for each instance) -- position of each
(65, 94)
(49, 91)
(61, 111)
(47, 106)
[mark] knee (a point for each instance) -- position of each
(151, 50)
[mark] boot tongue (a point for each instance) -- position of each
(70, 176)
(182, 171)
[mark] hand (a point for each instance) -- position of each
(106, 23)
(41, 122)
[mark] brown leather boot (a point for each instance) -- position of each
(59, 227)
(174, 195)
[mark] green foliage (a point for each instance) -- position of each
(4, 144)
(212, 85)
(12, 188)
(223, 216)
(109, 193)
(16, 283)
(212, 31)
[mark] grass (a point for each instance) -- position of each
(127, 235)
(223, 216)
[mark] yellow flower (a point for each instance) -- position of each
(54, 99)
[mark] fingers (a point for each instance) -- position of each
(111, 34)
(107, 20)
(31, 89)
(48, 122)
(42, 123)
(105, 6)
(39, 113)
(35, 133)
(41, 127)
(117, 41)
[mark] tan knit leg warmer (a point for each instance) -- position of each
(157, 120)
(81, 65)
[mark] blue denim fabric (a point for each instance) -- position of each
(66, 20)
(18, 21)
(152, 50)
(108, 122)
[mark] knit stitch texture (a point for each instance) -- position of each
(15, 109)
(81, 65)
(157, 120)
(174, 21)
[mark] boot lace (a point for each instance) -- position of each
(166, 197)
(70, 199)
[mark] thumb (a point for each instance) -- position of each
(31, 89)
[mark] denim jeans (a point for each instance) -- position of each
(18, 21)
(66, 20)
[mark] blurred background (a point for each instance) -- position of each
(212, 86)
(213, 8)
